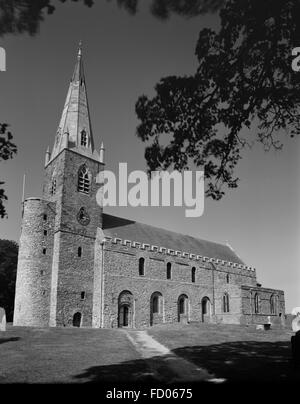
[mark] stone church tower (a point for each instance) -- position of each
(57, 244)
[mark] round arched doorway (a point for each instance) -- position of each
(205, 309)
(156, 308)
(183, 308)
(77, 319)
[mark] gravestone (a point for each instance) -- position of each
(2, 319)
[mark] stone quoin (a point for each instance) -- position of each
(78, 266)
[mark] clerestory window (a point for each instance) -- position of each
(193, 274)
(169, 270)
(142, 266)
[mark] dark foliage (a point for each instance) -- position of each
(163, 9)
(244, 81)
(8, 270)
(244, 84)
(25, 16)
(7, 150)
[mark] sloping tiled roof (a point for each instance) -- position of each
(126, 229)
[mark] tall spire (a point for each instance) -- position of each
(74, 129)
(78, 71)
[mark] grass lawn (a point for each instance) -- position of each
(232, 352)
(76, 355)
(66, 355)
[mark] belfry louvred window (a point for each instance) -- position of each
(84, 182)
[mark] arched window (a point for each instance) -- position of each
(193, 274)
(227, 278)
(82, 295)
(79, 251)
(256, 303)
(226, 303)
(53, 186)
(84, 182)
(273, 305)
(142, 266)
(169, 270)
(83, 141)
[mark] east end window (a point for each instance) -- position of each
(226, 303)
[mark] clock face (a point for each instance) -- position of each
(83, 217)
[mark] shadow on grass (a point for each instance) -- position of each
(244, 360)
(130, 371)
(240, 361)
(3, 340)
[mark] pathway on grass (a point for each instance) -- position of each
(164, 365)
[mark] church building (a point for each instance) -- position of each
(78, 266)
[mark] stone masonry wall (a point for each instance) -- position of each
(54, 281)
(264, 314)
(121, 274)
(65, 170)
(33, 282)
(73, 275)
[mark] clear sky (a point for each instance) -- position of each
(124, 57)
